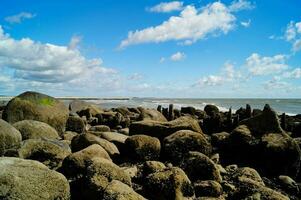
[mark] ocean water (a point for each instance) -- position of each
(288, 106)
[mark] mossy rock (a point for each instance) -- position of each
(39, 107)
(28, 179)
(10, 137)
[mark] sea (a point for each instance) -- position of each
(288, 106)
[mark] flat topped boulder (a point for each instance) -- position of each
(28, 179)
(31, 129)
(163, 129)
(266, 122)
(10, 137)
(39, 107)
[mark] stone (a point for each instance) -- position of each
(178, 144)
(89, 111)
(31, 129)
(10, 137)
(82, 141)
(151, 114)
(171, 183)
(28, 179)
(267, 122)
(77, 105)
(208, 189)
(117, 190)
(247, 172)
(188, 110)
(69, 135)
(198, 166)
(39, 107)
(75, 124)
(111, 136)
(150, 167)
(164, 129)
(76, 163)
(100, 128)
(49, 152)
(211, 110)
(143, 147)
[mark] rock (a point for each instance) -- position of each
(143, 147)
(112, 119)
(198, 166)
(151, 114)
(171, 183)
(75, 124)
(211, 110)
(150, 167)
(69, 135)
(267, 122)
(76, 163)
(288, 184)
(178, 144)
(208, 189)
(49, 152)
(219, 139)
(111, 136)
(117, 190)
(247, 172)
(89, 111)
(10, 137)
(99, 175)
(31, 129)
(82, 141)
(39, 107)
(164, 129)
(28, 179)
(188, 110)
(100, 128)
(77, 105)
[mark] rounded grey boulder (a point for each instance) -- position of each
(10, 138)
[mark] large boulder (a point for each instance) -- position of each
(28, 179)
(39, 107)
(207, 188)
(75, 124)
(117, 190)
(49, 152)
(211, 110)
(111, 136)
(82, 141)
(198, 166)
(177, 145)
(76, 163)
(31, 129)
(151, 114)
(164, 129)
(170, 183)
(267, 122)
(143, 147)
(10, 137)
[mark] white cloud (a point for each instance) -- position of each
(276, 84)
(290, 33)
(48, 63)
(298, 27)
(74, 42)
(135, 77)
(191, 25)
(294, 74)
(166, 7)
(18, 18)
(241, 5)
(162, 59)
(258, 65)
(296, 45)
(246, 23)
(177, 56)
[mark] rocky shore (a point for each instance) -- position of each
(49, 151)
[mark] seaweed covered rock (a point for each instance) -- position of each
(10, 137)
(82, 141)
(266, 122)
(117, 190)
(211, 110)
(75, 124)
(178, 144)
(207, 189)
(28, 179)
(198, 166)
(75, 164)
(31, 129)
(151, 114)
(170, 183)
(164, 129)
(100, 128)
(39, 107)
(49, 152)
(143, 147)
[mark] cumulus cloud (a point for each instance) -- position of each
(166, 7)
(191, 25)
(260, 65)
(74, 42)
(177, 56)
(241, 5)
(275, 83)
(46, 63)
(18, 18)
(246, 23)
(293, 74)
(293, 35)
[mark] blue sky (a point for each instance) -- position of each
(151, 48)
